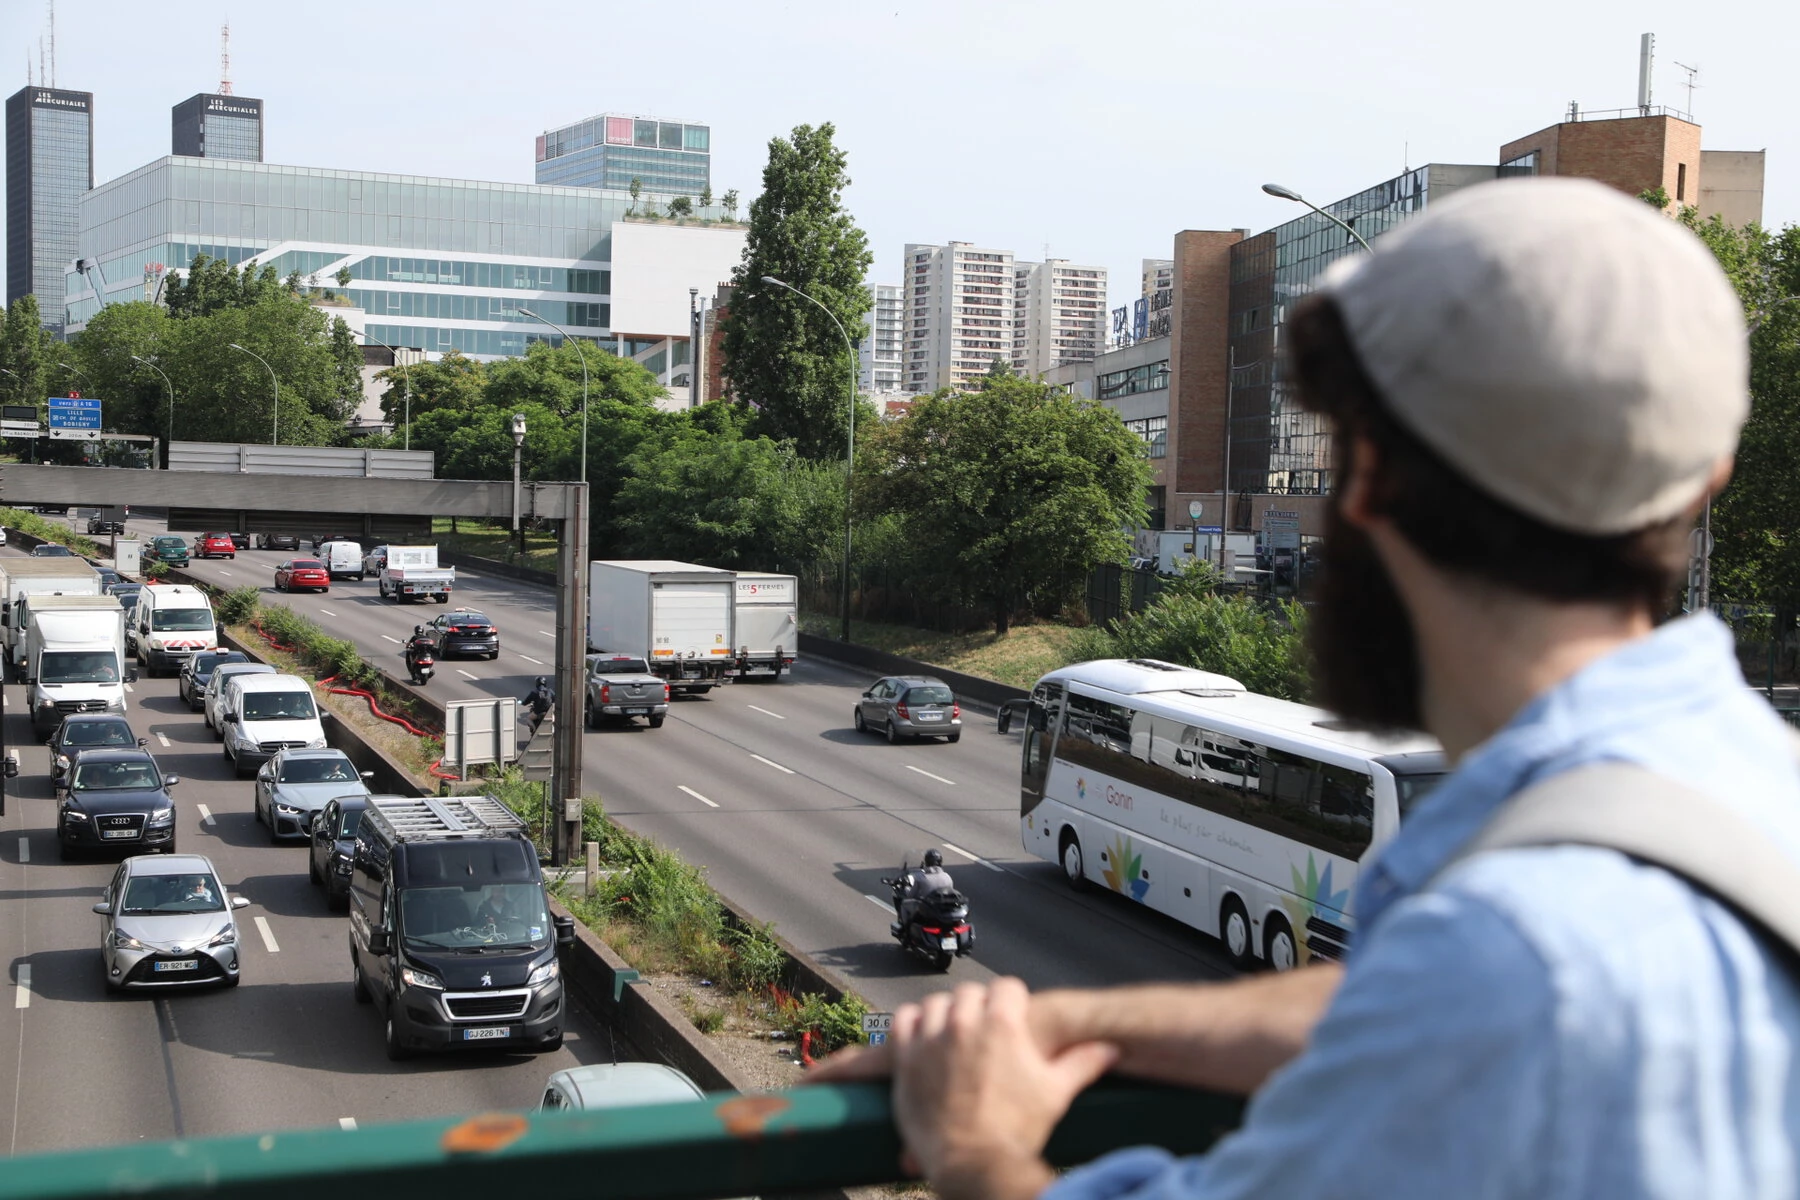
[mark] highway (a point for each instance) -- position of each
(289, 1048)
(794, 814)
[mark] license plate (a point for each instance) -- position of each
(948, 943)
(487, 1034)
(186, 964)
(925, 716)
(118, 833)
(636, 712)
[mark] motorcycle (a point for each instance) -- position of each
(420, 665)
(938, 930)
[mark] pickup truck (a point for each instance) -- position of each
(620, 688)
(412, 572)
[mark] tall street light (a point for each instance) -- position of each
(144, 362)
(1287, 193)
(576, 342)
(850, 447)
(518, 436)
(275, 430)
(406, 377)
(72, 367)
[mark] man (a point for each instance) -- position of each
(1532, 388)
(495, 907)
(917, 884)
(538, 700)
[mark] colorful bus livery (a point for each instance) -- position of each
(1242, 815)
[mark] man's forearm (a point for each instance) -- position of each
(1226, 1036)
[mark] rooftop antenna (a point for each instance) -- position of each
(225, 59)
(52, 4)
(41, 75)
(1690, 85)
(1646, 61)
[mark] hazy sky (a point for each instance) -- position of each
(1098, 129)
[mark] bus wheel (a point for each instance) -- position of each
(1234, 931)
(1278, 945)
(1071, 860)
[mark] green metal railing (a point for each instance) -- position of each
(808, 1138)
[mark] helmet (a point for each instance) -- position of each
(418, 631)
(543, 682)
(933, 859)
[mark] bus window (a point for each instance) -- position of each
(1041, 720)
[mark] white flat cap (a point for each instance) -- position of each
(1572, 352)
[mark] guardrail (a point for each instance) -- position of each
(725, 1145)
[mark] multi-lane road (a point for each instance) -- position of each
(794, 814)
(288, 1048)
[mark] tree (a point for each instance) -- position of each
(703, 495)
(346, 369)
(27, 353)
(343, 276)
(681, 206)
(637, 186)
(454, 382)
(1010, 494)
(706, 196)
(783, 354)
(1656, 197)
(730, 201)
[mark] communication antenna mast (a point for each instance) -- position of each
(225, 59)
(1690, 85)
(41, 75)
(52, 4)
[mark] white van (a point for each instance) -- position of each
(265, 713)
(343, 560)
(173, 622)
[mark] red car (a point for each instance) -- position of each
(215, 545)
(297, 573)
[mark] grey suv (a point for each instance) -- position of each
(910, 706)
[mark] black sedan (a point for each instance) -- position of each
(81, 732)
(277, 541)
(240, 541)
(198, 673)
(116, 800)
(104, 525)
(463, 631)
(333, 844)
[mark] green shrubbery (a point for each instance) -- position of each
(238, 606)
(50, 531)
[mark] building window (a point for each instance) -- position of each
(1680, 182)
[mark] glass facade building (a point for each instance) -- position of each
(437, 264)
(213, 126)
(49, 164)
(670, 158)
(1276, 446)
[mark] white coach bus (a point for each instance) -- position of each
(1241, 815)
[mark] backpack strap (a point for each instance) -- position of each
(1631, 809)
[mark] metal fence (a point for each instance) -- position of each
(239, 459)
(1115, 592)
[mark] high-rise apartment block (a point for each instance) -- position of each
(211, 125)
(49, 164)
(880, 351)
(1158, 276)
(672, 158)
(956, 314)
(1059, 315)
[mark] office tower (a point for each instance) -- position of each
(49, 164)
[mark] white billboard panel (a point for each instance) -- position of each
(653, 266)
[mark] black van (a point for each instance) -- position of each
(450, 931)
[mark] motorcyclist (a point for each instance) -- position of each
(420, 645)
(916, 885)
(539, 698)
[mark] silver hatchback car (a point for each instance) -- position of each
(910, 706)
(166, 922)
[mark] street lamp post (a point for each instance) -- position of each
(406, 378)
(518, 436)
(1287, 193)
(72, 367)
(144, 362)
(850, 446)
(526, 312)
(275, 429)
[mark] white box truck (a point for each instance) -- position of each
(1175, 548)
(74, 657)
(21, 577)
(766, 623)
(676, 616)
(412, 572)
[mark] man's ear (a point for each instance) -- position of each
(1356, 491)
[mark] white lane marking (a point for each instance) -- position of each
(929, 775)
(347, 1123)
(328, 612)
(129, 688)
(164, 739)
(684, 787)
(224, 572)
(23, 999)
(546, 633)
(878, 902)
(24, 850)
(529, 659)
(770, 763)
(262, 927)
(464, 673)
(206, 817)
(955, 849)
(765, 712)
(394, 640)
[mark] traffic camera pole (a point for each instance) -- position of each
(571, 658)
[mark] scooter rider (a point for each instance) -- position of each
(539, 698)
(916, 885)
(420, 645)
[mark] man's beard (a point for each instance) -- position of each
(1364, 651)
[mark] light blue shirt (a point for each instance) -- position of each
(1544, 1023)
